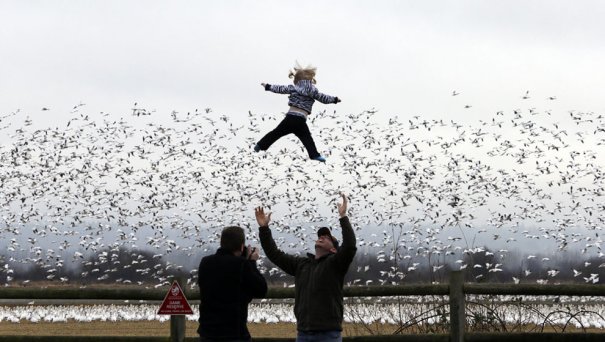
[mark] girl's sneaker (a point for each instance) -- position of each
(320, 159)
(256, 148)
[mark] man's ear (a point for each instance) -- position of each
(333, 250)
(240, 251)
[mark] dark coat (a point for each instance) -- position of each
(318, 304)
(227, 284)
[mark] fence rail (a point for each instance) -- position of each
(456, 290)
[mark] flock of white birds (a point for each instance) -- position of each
(420, 189)
(587, 312)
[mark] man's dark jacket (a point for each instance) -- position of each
(227, 284)
(318, 282)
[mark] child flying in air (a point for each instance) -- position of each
(302, 96)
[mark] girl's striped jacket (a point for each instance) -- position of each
(302, 95)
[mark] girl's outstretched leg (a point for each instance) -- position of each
(303, 133)
(284, 128)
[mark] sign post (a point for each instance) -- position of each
(176, 305)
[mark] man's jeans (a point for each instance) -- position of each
(319, 336)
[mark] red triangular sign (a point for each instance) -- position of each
(175, 302)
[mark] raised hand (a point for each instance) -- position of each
(342, 208)
(262, 219)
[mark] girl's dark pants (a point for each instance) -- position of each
(291, 124)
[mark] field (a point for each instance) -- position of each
(154, 328)
(412, 314)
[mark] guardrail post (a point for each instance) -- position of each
(457, 307)
(177, 322)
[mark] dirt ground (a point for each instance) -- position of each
(154, 328)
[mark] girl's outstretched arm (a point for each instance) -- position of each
(279, 89)
(324, 98)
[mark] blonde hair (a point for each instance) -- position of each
(299, 73)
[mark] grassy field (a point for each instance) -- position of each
(153, 328)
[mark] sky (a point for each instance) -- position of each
(401, 58)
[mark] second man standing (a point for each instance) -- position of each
(319, 278)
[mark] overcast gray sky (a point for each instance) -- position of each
(400, 57)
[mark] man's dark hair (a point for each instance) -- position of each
(232, 238)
